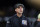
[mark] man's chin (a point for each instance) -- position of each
(20, 13)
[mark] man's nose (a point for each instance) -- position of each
(20, 8)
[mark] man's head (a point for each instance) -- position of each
(39, 17)
(19, 8)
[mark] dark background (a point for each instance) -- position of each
(7, 7)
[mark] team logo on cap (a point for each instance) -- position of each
(24, 22)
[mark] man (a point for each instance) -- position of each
(18, 20)
(38, 21)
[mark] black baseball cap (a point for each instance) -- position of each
(17, 6)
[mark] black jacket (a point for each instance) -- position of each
(15, 21)
(37, 24)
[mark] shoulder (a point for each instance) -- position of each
(12, 17)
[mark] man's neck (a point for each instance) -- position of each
(19, 15)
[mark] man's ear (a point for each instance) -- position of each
(15, 9)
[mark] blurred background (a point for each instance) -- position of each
(32, 9)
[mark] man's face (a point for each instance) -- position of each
(19, 9)
(39, 17)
